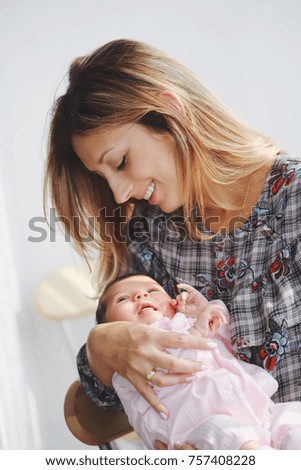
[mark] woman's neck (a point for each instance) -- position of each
(244, 196)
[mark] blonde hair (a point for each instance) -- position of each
(127, 81)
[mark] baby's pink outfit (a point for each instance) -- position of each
(223, 407)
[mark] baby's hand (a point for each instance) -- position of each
(180, 302)
(190, 302)
(217, 318)
(209, 321)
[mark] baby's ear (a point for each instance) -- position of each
(174, 304)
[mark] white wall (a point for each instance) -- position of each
(248, 52)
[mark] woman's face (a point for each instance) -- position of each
(136, 162)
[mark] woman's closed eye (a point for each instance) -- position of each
(123, 163)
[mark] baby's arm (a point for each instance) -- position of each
(210, 315)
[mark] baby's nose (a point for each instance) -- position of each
(141, 294)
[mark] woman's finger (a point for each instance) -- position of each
(178, 365)
(185, 341)
(186, 446)
(149, 395)
(159, 445)
(166, 380)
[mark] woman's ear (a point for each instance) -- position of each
(174, 100)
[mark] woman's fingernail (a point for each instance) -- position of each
(191, 378)
(211, 345)
(163, 415)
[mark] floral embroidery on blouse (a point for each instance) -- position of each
(283, 176)
(271, 352)
(225, 274)
(281, 265)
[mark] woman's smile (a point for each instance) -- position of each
(149, 191)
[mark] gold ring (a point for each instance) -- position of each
(150, 375)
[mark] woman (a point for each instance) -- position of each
(162, 178)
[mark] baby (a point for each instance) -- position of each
(225, 406)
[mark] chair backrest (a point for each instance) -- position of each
(66, 293)
(90, 423)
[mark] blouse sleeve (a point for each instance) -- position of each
(100, 394)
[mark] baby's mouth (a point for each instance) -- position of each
(146, 307)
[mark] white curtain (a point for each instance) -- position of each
(18, 416)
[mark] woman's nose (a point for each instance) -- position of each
(141, 294)
(122, 190)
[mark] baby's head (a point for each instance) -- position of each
(135, 298)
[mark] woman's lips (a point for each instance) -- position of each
(152, 199)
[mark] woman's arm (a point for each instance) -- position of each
(102, 395)
(133, 349)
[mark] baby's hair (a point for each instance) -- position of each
(103, 301)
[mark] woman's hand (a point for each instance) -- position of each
(159, 445)
(135, 349)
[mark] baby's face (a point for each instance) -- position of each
(138, 299)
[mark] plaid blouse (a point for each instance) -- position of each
(256, 271)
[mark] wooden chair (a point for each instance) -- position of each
(91, 424)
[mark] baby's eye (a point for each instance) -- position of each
(123, 163)
(121, 299)
(154, 289)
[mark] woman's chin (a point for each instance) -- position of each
(169, 208)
